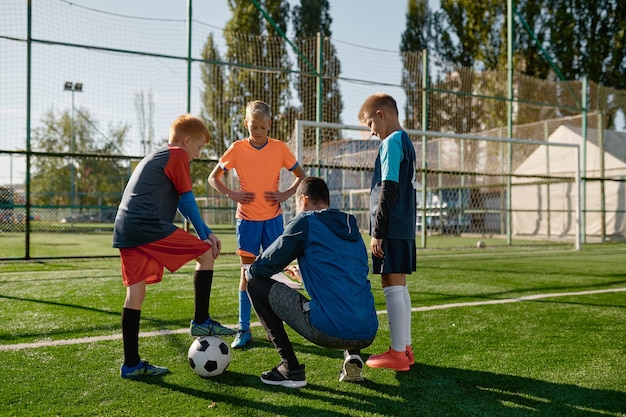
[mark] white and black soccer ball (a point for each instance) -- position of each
(209, 356)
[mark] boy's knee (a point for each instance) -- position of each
(206, 260)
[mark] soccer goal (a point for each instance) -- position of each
(471, 188)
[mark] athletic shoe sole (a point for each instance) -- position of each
(351, 371)
(287, 383)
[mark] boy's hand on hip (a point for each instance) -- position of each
(274, 197)
(216, 245)
(243, 197)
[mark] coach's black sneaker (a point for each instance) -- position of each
(285, 378)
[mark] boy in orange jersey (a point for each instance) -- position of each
(258, 160)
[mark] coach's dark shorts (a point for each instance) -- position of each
(400, 257)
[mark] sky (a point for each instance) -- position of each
(354, 21)
(372, 24)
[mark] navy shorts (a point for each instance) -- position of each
(400, 257)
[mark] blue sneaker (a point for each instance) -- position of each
(242, 338)
(143, 368)
(209, 328)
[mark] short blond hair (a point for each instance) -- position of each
(188, 125)
(258, 108)
(377, 101)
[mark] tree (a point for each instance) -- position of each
(252, 37)
(470, 33)
(310, 19)
(528, 55)
(62, 179)
(215, 99)
(415, 39)
(552, 38)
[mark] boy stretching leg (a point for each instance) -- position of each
(149, 240)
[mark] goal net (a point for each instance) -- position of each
(471, 188)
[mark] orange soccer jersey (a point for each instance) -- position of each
(258, 171)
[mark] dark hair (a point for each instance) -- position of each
(316, 189)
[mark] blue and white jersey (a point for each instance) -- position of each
(396, 162)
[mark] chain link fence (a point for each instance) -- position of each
(82, 102)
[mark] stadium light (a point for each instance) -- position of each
(72, 87)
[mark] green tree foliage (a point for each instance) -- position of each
(62, 179)
(529, 56)
(310, 20)
(217, 106)
(587, 38)
(469, 40)
(551, 38)
(470, 33)
(415, 39)
(253, 37)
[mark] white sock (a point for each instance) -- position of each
(396, 313)
(407, 301)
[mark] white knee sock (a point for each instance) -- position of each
(407, 302)
(396, 313)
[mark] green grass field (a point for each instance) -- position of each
(79, 240)
(495, 332)
(56, 240)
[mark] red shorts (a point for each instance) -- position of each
(146, 262)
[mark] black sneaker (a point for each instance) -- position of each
(283, 377)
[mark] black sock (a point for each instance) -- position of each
(130, 336)
(202, 282)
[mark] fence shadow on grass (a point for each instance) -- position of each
(425, 390)
(440, 391)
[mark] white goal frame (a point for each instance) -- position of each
(301, 124)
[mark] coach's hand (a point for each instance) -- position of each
(216, 245)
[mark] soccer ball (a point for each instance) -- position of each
(209, 356)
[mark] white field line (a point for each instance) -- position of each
(94, 339)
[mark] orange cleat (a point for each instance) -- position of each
(410, 355)
(391, 359)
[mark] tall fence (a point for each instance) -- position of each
(85, 94)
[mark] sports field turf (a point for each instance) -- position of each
(496, 332)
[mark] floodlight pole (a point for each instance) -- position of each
(72, 87)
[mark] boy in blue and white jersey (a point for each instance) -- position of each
(392, 224)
